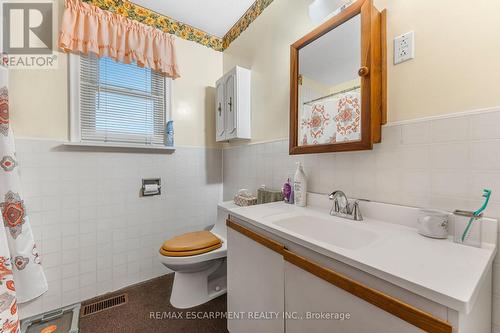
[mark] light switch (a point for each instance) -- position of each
(404, 47)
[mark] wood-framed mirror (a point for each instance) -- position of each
(337, 83)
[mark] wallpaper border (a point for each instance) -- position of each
(244, 22)
(185, 31)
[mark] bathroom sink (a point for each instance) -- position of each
(328, 231)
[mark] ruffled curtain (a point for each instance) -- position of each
(86, 28)
(21, 274)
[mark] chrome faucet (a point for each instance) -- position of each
(342, 208)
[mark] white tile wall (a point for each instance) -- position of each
(442, 163)
(95, 233)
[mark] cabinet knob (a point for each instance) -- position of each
(363, 71)
(219, 109)
(230, 104)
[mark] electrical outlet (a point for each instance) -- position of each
(404, 47)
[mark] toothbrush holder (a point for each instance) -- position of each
(461, 219)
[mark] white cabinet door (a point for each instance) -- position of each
(232, 107)
(307, 294)
(231, 110)
(220, 134)
(255, 282)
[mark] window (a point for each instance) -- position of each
(117, 103)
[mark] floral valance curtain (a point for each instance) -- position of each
(86, 28)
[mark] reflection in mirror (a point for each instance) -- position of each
(329, 101)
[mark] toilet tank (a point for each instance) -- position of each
(222, 214)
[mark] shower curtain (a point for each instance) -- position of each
(21, 274)
(335, 119)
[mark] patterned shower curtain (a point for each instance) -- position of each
(21, 274)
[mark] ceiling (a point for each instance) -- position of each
(215, 17)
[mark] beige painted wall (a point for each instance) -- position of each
(431, 84)
(457, 52)
(265, 48)
(39, 98)
(194, 94)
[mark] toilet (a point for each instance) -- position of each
(199, 262)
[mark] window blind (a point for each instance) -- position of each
(122, 103)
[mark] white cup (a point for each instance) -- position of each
(433, 223)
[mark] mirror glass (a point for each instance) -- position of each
(329, 93)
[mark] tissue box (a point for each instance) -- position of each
(244, 200)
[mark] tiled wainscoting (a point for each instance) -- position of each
(442, 163)
(95, 232)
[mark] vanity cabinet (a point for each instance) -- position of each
(327, 308)
(255, 285)
(267, 278)
(232, 105)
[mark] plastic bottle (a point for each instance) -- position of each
(300, 186)
(170, 134)
(287, 191)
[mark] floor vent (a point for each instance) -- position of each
(105, 304)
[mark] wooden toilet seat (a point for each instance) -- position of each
(190, 244)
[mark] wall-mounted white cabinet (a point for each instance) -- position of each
(232, 105)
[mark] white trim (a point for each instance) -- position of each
(74, 97)
(444, 116)
(1, 29)
(83, 144)
(170, 91)
(117, 145)
(395, 123)
(236, 144)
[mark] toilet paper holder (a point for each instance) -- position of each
(151, 186)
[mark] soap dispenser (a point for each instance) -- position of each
(300, 186)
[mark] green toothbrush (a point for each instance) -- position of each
(486, 194)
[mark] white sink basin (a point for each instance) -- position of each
(332, 232)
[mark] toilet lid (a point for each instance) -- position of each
(188, 253)
(192, 241)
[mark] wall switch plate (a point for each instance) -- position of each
(404, 47)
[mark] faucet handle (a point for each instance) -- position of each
(356, 211)
(340, 202)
